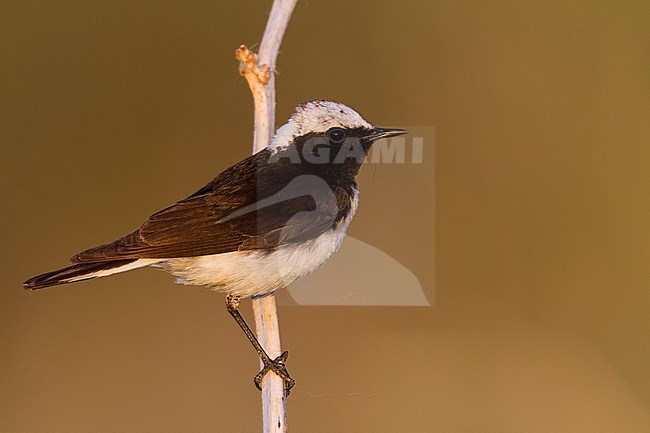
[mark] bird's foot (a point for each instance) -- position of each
(278, 367)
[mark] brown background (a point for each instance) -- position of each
(112, 110)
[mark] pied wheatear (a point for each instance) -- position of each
(261, 224)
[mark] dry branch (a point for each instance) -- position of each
(259, 71)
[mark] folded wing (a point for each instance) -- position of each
(250, 206)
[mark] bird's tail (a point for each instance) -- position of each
(83, 271)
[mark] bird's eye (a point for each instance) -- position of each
(337, 135)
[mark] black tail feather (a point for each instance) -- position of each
(65, 275)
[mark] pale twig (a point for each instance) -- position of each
(259, 71)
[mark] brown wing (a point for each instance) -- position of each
(249, 206)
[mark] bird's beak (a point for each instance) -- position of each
(379, 133)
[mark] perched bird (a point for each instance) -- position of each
(261, 224)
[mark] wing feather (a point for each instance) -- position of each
(250, 206)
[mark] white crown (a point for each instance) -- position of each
(316, 116)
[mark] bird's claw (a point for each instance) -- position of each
(278, 367)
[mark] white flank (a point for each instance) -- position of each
(249, 273)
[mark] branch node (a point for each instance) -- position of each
(250, 68)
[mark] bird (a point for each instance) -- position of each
(261, 224)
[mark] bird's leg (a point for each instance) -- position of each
(276, 365)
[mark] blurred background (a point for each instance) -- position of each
(113, 110)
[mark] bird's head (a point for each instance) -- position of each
(329, 124)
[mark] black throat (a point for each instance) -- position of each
(315, 154)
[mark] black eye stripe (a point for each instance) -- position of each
(336, 135)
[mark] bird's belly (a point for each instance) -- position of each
(250, 273)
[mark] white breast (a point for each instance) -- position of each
(246, 273)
